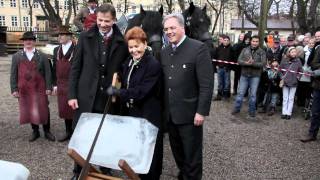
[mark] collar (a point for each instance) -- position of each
(68, 44)
(91, 11)
(109, 34)
(180, 42)
(33, 50)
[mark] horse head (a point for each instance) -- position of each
(197, 23)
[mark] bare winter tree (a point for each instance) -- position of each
(169, 4)
(52, 12)
(182, 5)
(306, 15)
(251, 9)
(217, 6)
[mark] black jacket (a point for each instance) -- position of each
(188, 81)
(85, 76)
(225, 53)
(141, 96)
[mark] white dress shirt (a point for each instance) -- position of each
(65, 47)
(29, 54)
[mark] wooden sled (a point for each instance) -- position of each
(94, 174)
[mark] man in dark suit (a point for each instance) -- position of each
(99, 53)
(188, 90)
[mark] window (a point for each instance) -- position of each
(24, 3)
(14, 21)
(13, 3)
(1, 3)
(66, 4)
(133, 9)
(26, 21)
(35, 5)
(2, 20)
(118, 7)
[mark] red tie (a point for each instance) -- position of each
(106, 39)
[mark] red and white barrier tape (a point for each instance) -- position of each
(284, 70)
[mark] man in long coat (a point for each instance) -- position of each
(188, 86)
(98, 55)
(30, 82)
(62, 56)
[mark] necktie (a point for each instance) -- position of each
(106, 39)
(174, 48)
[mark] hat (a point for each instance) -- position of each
(28, 36)
(65, 30)
(290, 38)
(92, 1)
(276, 40)
(290, 49)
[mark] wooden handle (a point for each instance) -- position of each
(114, 82)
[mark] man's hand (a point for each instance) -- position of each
(48, 92)
(54, 91)
(15, 94)
(73, 103)
(250, 61)
(198, 120)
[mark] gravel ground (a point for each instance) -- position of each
(234, 147)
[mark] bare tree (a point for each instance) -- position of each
(169, 4)
(217, 7)
(182, 5)
(251, 9)
(306, 15)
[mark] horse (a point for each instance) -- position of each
(197, 24)
(151, 23)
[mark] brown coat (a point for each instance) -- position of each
(80, 17)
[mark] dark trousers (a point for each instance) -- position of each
(46, 127)
(186, 145)
(304, 91)
(315, 114)
(68, 125)
(156, 164)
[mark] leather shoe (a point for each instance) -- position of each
(308, 139)
(66, 137)
(35, 135)
(49, 136)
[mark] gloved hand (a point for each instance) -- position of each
(113, 91)
(316, 73)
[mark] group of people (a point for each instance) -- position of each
(175, 90)
(271, 74)
(271, 68)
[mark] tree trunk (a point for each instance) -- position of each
(169, 3)
(263, 21)
(69, 13)
(30, 14)
(302, 16)
(217, 18)
(182, 5)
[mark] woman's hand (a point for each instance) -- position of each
(113, 91)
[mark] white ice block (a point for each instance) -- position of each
(13, 171)
(121, 137)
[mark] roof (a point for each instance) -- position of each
(273, 24)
